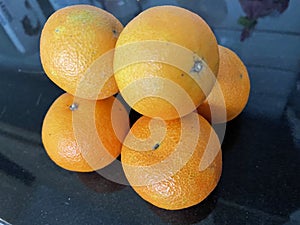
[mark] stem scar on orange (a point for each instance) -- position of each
(165, 62)
(172, 164)
(230, 94)
(76, 50)
(84, 135)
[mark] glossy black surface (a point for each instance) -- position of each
(261, 149)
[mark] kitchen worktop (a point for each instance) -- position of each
(261, 147)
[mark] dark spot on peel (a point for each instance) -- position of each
(156, 146)
(241, 76)
(115, 33)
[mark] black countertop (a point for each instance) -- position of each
(261, 148)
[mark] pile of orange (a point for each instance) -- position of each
(167, 65)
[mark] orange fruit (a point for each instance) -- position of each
(76, 50)
(84, 135)
(172, 164)
(230, 94)
(165, 60)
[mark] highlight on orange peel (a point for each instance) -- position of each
(77, 48)
(84, 135)
(165, 63)
(231, 92)
(172, 164)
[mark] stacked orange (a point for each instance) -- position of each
(166, 64)
(76, 50)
